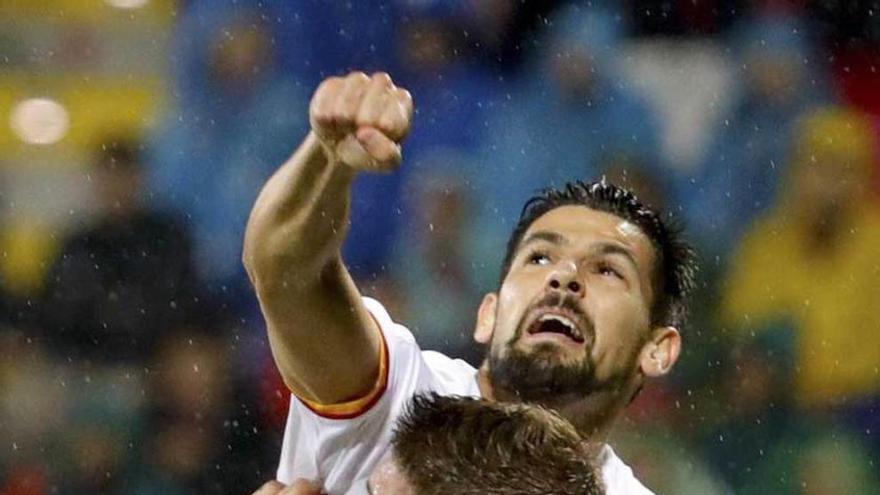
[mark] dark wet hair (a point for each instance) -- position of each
(471, 446)
(675, 266)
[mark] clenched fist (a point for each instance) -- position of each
(360, 120)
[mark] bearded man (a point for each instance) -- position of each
(591, 296)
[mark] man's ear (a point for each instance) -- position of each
(486, 319)
(661, 352)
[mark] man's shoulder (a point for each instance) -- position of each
(341, 450)
(413, 370)
(390, 329)
(618, 477)
(451, 376)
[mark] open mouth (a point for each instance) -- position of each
(554, 322)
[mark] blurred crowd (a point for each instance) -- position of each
(138, 363)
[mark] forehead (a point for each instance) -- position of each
(582, 226)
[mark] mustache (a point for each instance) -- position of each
(561, 300)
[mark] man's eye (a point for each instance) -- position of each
(538, 259)
(608, 271)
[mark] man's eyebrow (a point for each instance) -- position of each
(544, 235)
(610, 248)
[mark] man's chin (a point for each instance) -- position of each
(539, 373)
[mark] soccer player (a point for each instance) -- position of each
(592, 293)
(465, 446)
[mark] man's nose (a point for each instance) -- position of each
(565, 279)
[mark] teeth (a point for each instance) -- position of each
(561, 319)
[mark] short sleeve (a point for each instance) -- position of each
(338, 448)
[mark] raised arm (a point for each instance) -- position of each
(325, 343)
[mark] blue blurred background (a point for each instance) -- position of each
(136, 134)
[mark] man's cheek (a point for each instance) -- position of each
(509, 295)
(610, 339)
(510, 309)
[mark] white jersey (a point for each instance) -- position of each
(340, 445)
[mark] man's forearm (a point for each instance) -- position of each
(299, 221)
(324, 340)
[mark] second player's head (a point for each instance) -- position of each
(592, 293)
(473, 446)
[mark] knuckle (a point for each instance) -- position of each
(318, 104)
(328, 84)
(358, 76)
(405, 103)
(404, 95)
(382, 77)
(319, 110)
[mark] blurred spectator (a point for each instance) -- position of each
(756, 411)
(813, 260)
(448, 92)
(17, 312)
(119, 282)
(30, 423)
(453, 98)
(198, 436)
(454, 95)
(740, 176)
(233, 121)
(499, 32)
(104, 416)
(665, 463)
(815, 459)
(344, 35)
(439, 281)
(569, 113)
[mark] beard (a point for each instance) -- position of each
(538, 376)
